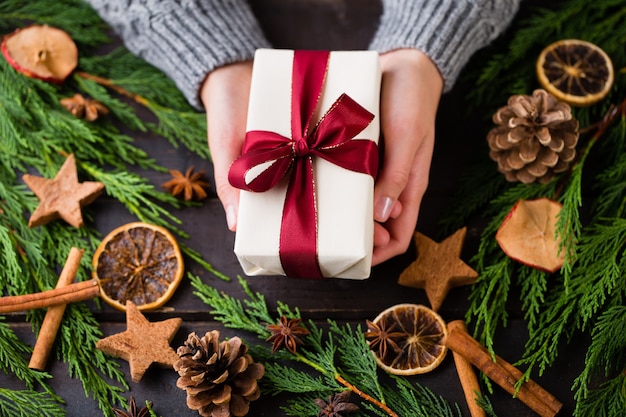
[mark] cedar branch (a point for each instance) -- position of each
(118, 89)
(365, 396)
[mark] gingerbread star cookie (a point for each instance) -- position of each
(438, 267)
(62, 197)
(143, 343)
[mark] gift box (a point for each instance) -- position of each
(308, 164)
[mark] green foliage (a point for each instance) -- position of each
(28, 403)
(12, 351)
(336, 357)
(585, 296)
(607, 356)
(36, 135)
(607, 401)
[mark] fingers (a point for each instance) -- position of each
(411, 88)
(399, 230)
(225, 96)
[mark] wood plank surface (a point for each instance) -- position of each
(314, 24)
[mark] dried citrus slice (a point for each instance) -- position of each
(139, 262)
(416, 334)
(575, 71)
(41, 51)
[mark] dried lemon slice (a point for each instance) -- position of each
(417, 339)
(575, 71)
(139, 262)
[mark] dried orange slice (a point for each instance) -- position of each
(139, 262)
(576, 72)
(41, 51)
(414, 338)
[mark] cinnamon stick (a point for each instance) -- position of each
(468, 378)
(79, 291)
(54, 315)
(535, 397)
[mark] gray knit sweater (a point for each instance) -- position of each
(189, 38)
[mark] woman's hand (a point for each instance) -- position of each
(225, 96)
(411, 88)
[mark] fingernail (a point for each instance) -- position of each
(382, 210)
(231, 217)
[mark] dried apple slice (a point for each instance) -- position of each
(528, 235)
(42, 52)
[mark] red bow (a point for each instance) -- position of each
(329, 139)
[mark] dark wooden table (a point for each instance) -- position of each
(313, 24)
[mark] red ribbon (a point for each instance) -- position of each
(329, 139)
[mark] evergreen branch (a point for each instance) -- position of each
(136, 194)
(28, 403)
(125, 113)
(555, 322)
(280, 378)
(74, 16)
(12, 351)
(304, 405)
(534, 286)
(488, 301)
(328, 353)
(79, 334)
(484, 403)
(413, 399)
(186, 127)
(607, 401)
(135, 76)
(353, 351)
(465, 203)
(365, 396)
(113, 86)
(228, 310)
(608, 342)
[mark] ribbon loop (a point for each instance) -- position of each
(275, 155)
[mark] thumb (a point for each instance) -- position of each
(397, 162)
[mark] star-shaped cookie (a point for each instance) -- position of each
(143, 343)
(438, 267)
(62, 197)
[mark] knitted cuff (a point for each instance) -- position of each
(185, 39)
(448, 32)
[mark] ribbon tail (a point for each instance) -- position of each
(298, 231)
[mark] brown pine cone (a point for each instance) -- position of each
(535, 137)
(220, 377)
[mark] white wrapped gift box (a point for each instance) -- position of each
(344, 198)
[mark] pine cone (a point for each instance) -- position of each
(535, 138)
(220, 377)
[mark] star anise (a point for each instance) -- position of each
(191, 185)
(132, 410)
(381, 338)
(336, 404)
(84, 108)
(286, 333)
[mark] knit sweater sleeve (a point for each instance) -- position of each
(186, 39)
(447, 31)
